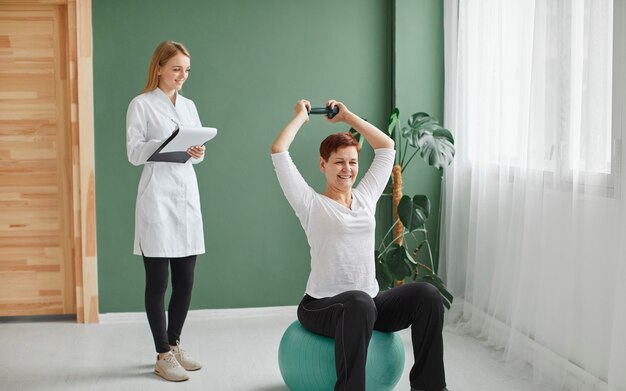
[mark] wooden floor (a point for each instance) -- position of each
(238, 348)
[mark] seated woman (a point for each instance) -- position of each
(342, 299)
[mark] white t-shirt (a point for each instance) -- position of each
(341, 239)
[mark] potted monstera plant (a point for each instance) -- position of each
(405, 251)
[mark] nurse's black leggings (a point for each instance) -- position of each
(351, 316)
(166, 333)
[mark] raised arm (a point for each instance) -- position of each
(286, 136)
(371, 133)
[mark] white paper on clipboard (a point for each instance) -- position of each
(189, 136)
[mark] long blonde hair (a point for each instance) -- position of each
(161, 55)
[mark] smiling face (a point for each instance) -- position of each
(341, 168)
(174, 72)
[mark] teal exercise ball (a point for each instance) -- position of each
(307, 360)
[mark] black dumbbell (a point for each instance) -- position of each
(330, 112)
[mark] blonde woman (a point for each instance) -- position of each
(168, 220)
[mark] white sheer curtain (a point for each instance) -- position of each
(535, 207)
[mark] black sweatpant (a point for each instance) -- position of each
(157, 276)
(351, 316)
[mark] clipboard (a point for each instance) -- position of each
(174, 149)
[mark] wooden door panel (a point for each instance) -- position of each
(36, 265)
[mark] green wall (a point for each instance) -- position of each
(251, 61)
(418, 84)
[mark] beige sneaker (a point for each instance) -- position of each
(169, 368)
(184, 359)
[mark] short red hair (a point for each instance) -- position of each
(335, 141)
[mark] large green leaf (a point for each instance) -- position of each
(437, 148)
(393, 120)
(434, 143)
(398, 262)
(383, 275)
(418, 124)
(413, 213)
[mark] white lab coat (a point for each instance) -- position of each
(168, 221)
